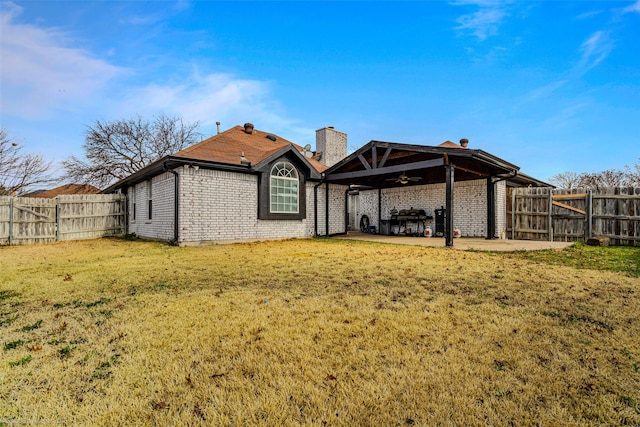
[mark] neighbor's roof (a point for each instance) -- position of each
(449, 144)
(65, 190)
(229, 146)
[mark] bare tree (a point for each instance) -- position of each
(115, 150)
(633, 174)
(20, 171)
(568, 180)
(607, 178)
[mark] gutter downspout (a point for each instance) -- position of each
(346, 210)
(176, 182)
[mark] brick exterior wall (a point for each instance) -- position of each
(336, 209)
(469, 204)
(218, 206)
(333, 145)
(160, 226)
(222, 206)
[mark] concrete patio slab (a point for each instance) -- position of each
(462, 243)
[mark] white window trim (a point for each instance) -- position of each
(284, 171)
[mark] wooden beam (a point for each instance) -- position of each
(425, 164)
(374, 157)
(384, 157)
(571, 208)
(470, 171)
(364, 162)
(569, 196)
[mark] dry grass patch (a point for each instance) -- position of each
(312, 332)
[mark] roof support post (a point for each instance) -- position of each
(326, 210)
(448, 222)
(491, 208)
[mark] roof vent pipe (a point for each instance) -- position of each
(218, 127)
(248, 128)
(464, 142)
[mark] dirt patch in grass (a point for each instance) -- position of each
(313, 332)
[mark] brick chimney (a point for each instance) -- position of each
(332, 144)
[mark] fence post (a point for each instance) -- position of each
(57, 219)
(589, 227)
(10, 221)
(550, 222)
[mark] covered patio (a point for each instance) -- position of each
(387, 165)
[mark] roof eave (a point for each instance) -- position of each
(172, 162)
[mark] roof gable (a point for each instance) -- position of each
(378, 164)
(230, 146)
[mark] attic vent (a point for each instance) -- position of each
(464, 142)
(271, 137)
(248, 128)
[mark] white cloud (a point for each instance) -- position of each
(544, 91)
(214, 97)
(635, 7)
(485, 21)
(40, 73)
(593, 50)
(45, 78)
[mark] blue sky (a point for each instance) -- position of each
(550, 86)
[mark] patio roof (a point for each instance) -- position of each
(379, 165)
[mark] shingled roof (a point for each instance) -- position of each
(65, 190)
(230, 145)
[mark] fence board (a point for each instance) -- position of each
(90, 216)
(5, 203)
(33, 221)
(612, 212)
(26, 220)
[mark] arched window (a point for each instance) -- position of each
(284, 188)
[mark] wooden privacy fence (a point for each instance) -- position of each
(570, 215)
(27, 220)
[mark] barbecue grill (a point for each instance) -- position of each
(405, 218)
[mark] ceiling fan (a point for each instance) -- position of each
(404, 179)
